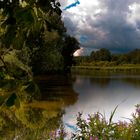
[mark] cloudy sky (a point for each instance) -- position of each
(112, 24)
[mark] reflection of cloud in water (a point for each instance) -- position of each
(103, 96)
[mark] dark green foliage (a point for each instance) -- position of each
(81, 60)
(11, 100)
(27, 24)
(101, 55)
(32, 37)
(71, 45)
(132, 57)
(48, 57)
(2, 75)
(7, 38)
(13, 92)
(103, 58)
(24, 24)
(8, 84)
(3, 99)
(32, 89)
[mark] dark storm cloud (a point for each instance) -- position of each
(122, 35)
(115, 24)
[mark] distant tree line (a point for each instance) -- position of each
(101, 55)
(104, 54)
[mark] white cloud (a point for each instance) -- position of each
(79, 52)
(104, 22)
(134, 15)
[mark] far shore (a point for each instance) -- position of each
(108, 68)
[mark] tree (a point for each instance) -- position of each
(23, 25)
(48, 58)
(101, 55)
(21, 19)
(70, 46)
(134, 56)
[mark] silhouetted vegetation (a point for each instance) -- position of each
(70, 46)
(101, 55)
(104, 58)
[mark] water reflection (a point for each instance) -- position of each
(28, 123)
(38, 119)
(57, 88)
(103, 94)
(59, 103)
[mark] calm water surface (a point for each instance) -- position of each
(103, 94)
(63, 96)
(91, 93)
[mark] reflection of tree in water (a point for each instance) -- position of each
(104, 81)
(58, 88)
(133, 81)
(37, 119)
(28, 123)
(101, 81)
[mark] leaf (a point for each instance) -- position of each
(24, 16)
(2, 99)
(1, 4)
(17, 103)
(19, 41)
(14, 63)
(58, 11)
(2, 74)
(112, 114)
(32, 89)
(31, 2)
(8, 84)
(58, 4)
(9, 36)
(11, 100)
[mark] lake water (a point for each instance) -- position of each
(91, 93)
(63, 96)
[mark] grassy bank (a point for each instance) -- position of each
(114, 68)
(107, 67)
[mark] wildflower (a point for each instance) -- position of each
(91, 137)
(52, 135)
(88, 119)
(96, 138)
(138, 110)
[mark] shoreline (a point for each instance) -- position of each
(108, 68)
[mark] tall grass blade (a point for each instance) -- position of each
(112, 114)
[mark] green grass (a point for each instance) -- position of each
(107, 66)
